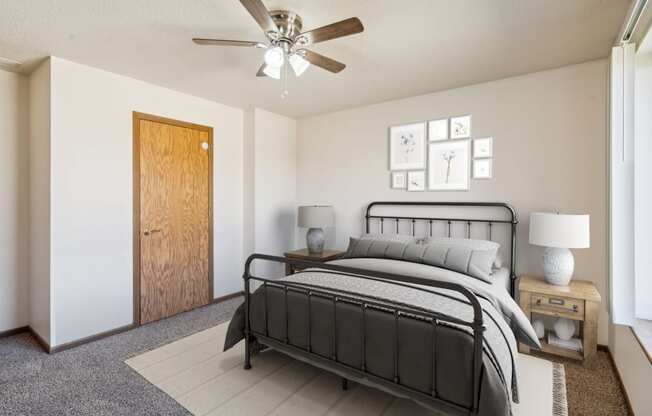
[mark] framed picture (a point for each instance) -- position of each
(416, 181)
(407, 147)
(460, 127)
(438, 130)
(483, 147)
(448, 165)
(482, 168)
(399, 180)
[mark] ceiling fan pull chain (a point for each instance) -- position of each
(284, 81)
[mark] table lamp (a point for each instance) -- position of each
(315, 218)
(558, 233)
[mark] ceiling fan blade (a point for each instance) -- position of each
(322, 61)
(259, 12)
(260, 72)
(226, 42)
(334, 30)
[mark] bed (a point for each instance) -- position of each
(440, 337)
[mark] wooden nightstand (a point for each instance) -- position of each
(579, 301)
(303, 254)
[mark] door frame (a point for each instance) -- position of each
(137, 117)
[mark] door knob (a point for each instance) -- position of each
(156, 230)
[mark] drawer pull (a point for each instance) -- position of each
(558, 302)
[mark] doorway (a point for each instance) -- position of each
(173, 217)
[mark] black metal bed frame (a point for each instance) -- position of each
(366, 302)
(511, 222)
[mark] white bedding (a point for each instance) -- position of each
(501, 278)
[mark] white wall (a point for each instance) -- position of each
(275, 186)
(14, 203)
(92, 193)
(634, 367)
(550, 140)
(41, 307)
(642, 189)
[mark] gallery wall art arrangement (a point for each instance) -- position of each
(438, 155)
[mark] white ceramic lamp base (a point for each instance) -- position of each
(558, 266)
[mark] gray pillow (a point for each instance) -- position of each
(481, 245)
(463, 242)
(446, 254)
(361, 247)
(403, 238)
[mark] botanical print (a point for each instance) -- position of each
(399, 180)
(460, 127)
(482, 169)
(417, 181)
(438, 129)
(449, 165)
(483, 147)
(407, 147)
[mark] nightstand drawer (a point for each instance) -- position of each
(558, 306)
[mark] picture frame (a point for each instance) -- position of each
(416, 181)
(460, 127)
(407, 147)
(438, 130)
(449, 166)
(398, 180)
(482, 169)
(483, 148)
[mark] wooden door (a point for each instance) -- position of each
(174, 218)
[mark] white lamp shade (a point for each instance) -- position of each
(272, 72)
(548, 229)
(316, 216)
(299, 65)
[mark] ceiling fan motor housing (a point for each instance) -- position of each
(289, 23)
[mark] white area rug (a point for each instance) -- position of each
(206, 381)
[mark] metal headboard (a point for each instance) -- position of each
(510, 220)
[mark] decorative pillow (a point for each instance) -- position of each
(446, 254)
(403, 238)
(361, 247)
(472, 244)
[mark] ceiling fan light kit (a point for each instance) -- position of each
(287, 42)
(272, 71)
(275, 56)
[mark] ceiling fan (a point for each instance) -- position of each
(287, 44)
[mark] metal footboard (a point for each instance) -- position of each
(366, 304)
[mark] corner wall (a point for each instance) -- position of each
(92, 193)
(275, 177)
(41, 306)
(550, 141)
(14, 203)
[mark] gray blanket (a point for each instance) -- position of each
(502, 319)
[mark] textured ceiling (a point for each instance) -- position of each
(409, 47)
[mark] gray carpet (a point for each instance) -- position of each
(93, 379)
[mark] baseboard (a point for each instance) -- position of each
(58, 348)
(92, 338)
(14, 331)
(40, 341)
(606, 349)
(227, 297)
